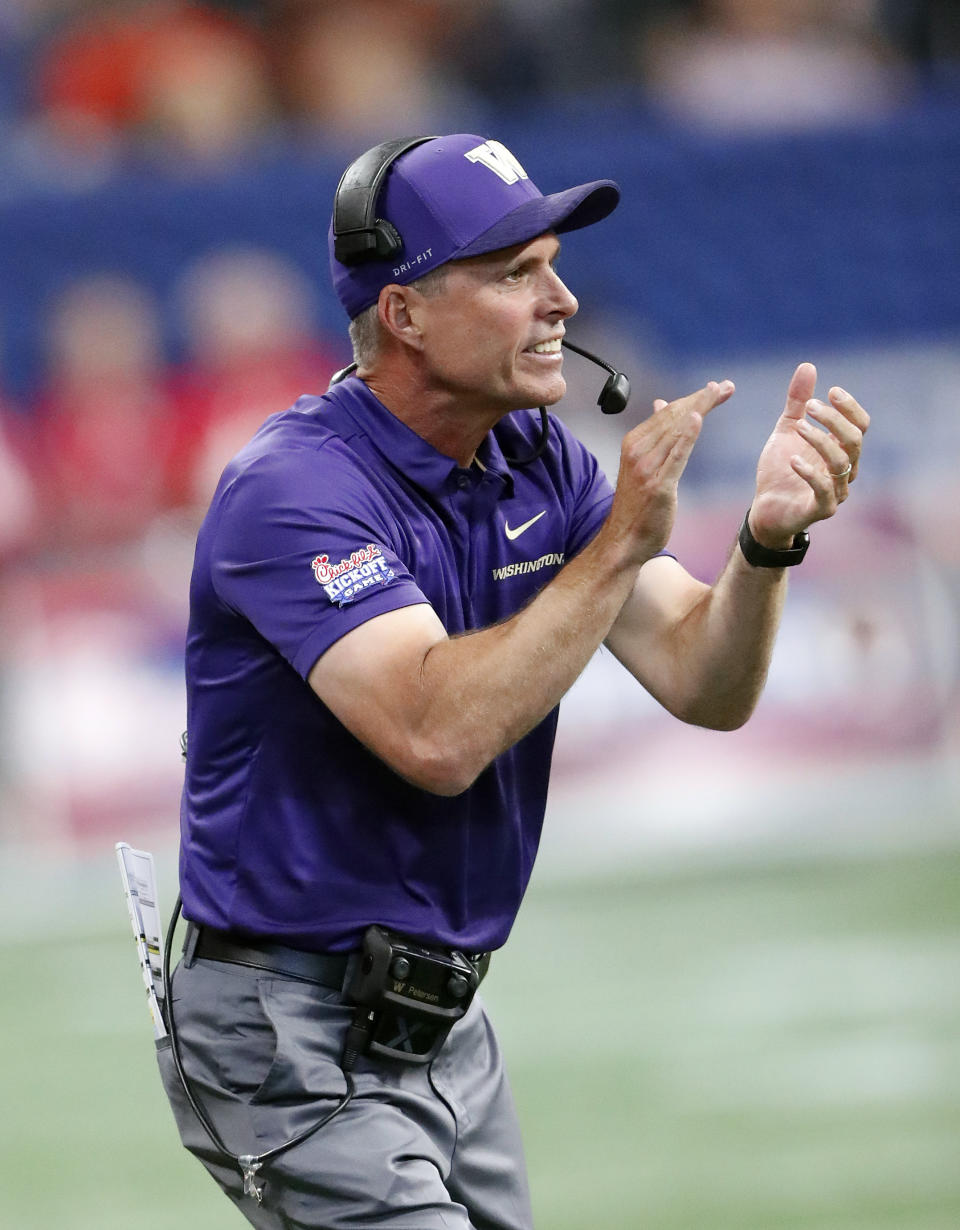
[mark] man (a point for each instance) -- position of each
(385, 614)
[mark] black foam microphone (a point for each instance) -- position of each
(616, 392)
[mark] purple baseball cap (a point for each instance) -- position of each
(458, 196)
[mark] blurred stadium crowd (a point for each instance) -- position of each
(83, 79)
(121, 396)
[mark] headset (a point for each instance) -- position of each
(359, 236)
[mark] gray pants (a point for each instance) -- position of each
(419, 1147)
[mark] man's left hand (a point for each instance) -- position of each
(805, 470)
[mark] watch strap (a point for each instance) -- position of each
(759, 556)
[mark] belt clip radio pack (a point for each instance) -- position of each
(408, 997)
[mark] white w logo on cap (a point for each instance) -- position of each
(498, 159)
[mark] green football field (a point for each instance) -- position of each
(740, 1047)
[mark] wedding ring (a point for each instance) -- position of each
(843, 473)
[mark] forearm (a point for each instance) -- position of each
(723, 646)
(484, 691)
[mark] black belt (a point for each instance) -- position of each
(328, 969)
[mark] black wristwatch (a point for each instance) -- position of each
(764, 557)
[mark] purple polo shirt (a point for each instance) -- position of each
(336, 512)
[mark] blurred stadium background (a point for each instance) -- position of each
(732, 997)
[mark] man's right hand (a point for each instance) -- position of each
(652, 459)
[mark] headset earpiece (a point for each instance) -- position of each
(358, 234)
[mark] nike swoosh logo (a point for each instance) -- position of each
(512, 534)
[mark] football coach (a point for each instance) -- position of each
(394, 587)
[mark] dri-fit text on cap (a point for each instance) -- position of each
(414, 260)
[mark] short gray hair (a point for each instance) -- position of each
(365, 329)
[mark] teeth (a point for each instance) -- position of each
(547, 347)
